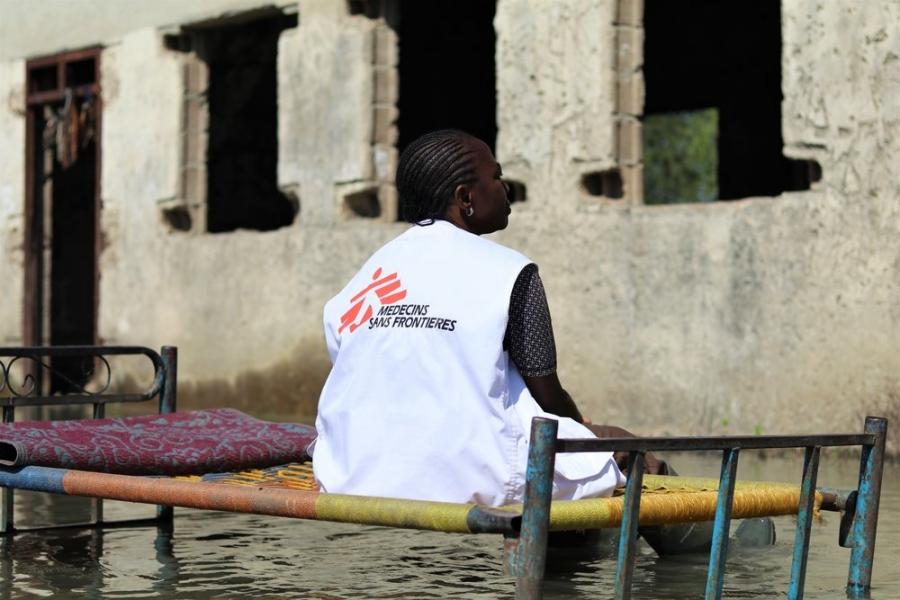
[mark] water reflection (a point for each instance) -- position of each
(167, 574)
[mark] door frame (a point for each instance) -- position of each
(40, 91)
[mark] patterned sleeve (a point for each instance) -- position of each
(529, 333)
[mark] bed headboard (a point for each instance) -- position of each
(24, 372)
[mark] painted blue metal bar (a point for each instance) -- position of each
(531, 554)
(628, 531)
(865, 522)
(804, 522)
(718, 553)
(36, 479)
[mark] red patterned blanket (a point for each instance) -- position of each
(203, 441)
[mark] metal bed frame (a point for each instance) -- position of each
(526, 536)
(38, 362)
(526, 555)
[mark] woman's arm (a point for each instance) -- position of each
(552, 398)
(529, 340)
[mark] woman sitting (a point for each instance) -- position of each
(443, 351)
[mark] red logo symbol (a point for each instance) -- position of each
(387, 289)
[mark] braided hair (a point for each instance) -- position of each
(430, 169)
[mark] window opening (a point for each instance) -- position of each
(419, 49)
(80, 72)
(43, 79)
(242, 150)
(178, 218)
(705, 58)
(442, 43)
(518, 191)
(230, 147)
(368, 8)
(364, 203)
(606, 184)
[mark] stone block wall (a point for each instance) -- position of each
(764, 314)
(629, 40)
(12, 192)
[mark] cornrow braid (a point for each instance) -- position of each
(430, 169)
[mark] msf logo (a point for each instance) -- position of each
(386, 289)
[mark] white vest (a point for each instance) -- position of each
(422, 401)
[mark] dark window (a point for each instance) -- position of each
(724, 57)
(606, 184)
(447, 68)
(242, 149)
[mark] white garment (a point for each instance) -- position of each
(422, 401)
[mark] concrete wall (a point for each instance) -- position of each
(12, 193)
(243, 307)
(766, 314)
(36, 28)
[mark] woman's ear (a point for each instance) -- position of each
(460, 207)
(462, 197)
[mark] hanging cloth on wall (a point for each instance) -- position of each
(67, 133)
(71, 127)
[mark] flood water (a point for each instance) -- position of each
(221, 555)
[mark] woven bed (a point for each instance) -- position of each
(122, 459)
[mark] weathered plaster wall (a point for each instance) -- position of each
(244, 307)
(325, 121)
(555, 96)
(12, 181)
(767, 314)
(30, 29)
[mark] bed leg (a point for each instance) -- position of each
(167, 404)
(866, 520)
(715, 575)
(6, 498)
(169, 394)
(628, 530)
(511, 554)
(6, 511)
(804, 522)
(99, 412)
(531, 551)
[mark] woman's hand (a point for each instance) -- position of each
(652, 465)
(552, 398)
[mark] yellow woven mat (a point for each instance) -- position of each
(664, 499)
(299, 476)
(295, 476)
